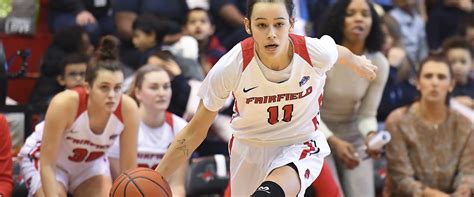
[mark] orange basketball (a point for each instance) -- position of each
(142, 182)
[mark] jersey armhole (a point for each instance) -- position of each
(299, 43)
(118, 111)
(82, 101)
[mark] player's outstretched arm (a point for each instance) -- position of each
(359, 64)
(187, 141)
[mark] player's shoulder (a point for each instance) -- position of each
(128, 104)
(66, 99)
(236, 52)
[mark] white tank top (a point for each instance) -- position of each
(269, 113)
(277, 113)
(153, 142)
(79, 144)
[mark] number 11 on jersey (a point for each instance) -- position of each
(273, 114)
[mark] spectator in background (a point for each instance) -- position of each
(6, 182)
(70, 40)
(95, 16)
(412, 27)
(199, 25)
(152, 91)
(180, 85)
(349, 112)
(318, 13)
(459, 55)
(400, 87)
(174, 12)
(229, 20)
(148, 34)
(126, 12)
(71, 73)
(444, 21)
(468, 30)
(431, 151)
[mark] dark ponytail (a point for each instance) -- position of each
(106, 57)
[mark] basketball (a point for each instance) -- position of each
(140, 182)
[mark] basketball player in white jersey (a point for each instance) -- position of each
(67, 152)
(277, 79)
(151, 88)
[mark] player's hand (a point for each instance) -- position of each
(395, 56)
(364, 67)
(85, 18)
(373, 153)
(172, 68)
(344, 151)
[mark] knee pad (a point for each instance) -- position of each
(269, 188)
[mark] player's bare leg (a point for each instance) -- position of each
(95, 186)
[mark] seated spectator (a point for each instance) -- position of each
(199, 25)
(228, 19)
(6, 182)
(459, 55)
(148, 34)
(400, 87)
(126, 12)
(468, 30)
(431, 151)
(70, 40)
(180, 85)
(445, 21)
(94, 15)
(71, 73)
(152, 91)
(412, 28)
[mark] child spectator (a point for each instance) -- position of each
(71, 40)
(71, 73)
(459, 55)
(148, 34)
(400, 87)
(199, 24)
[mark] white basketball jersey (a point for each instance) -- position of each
(153, 142)
(79, 145)
(277, 113)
